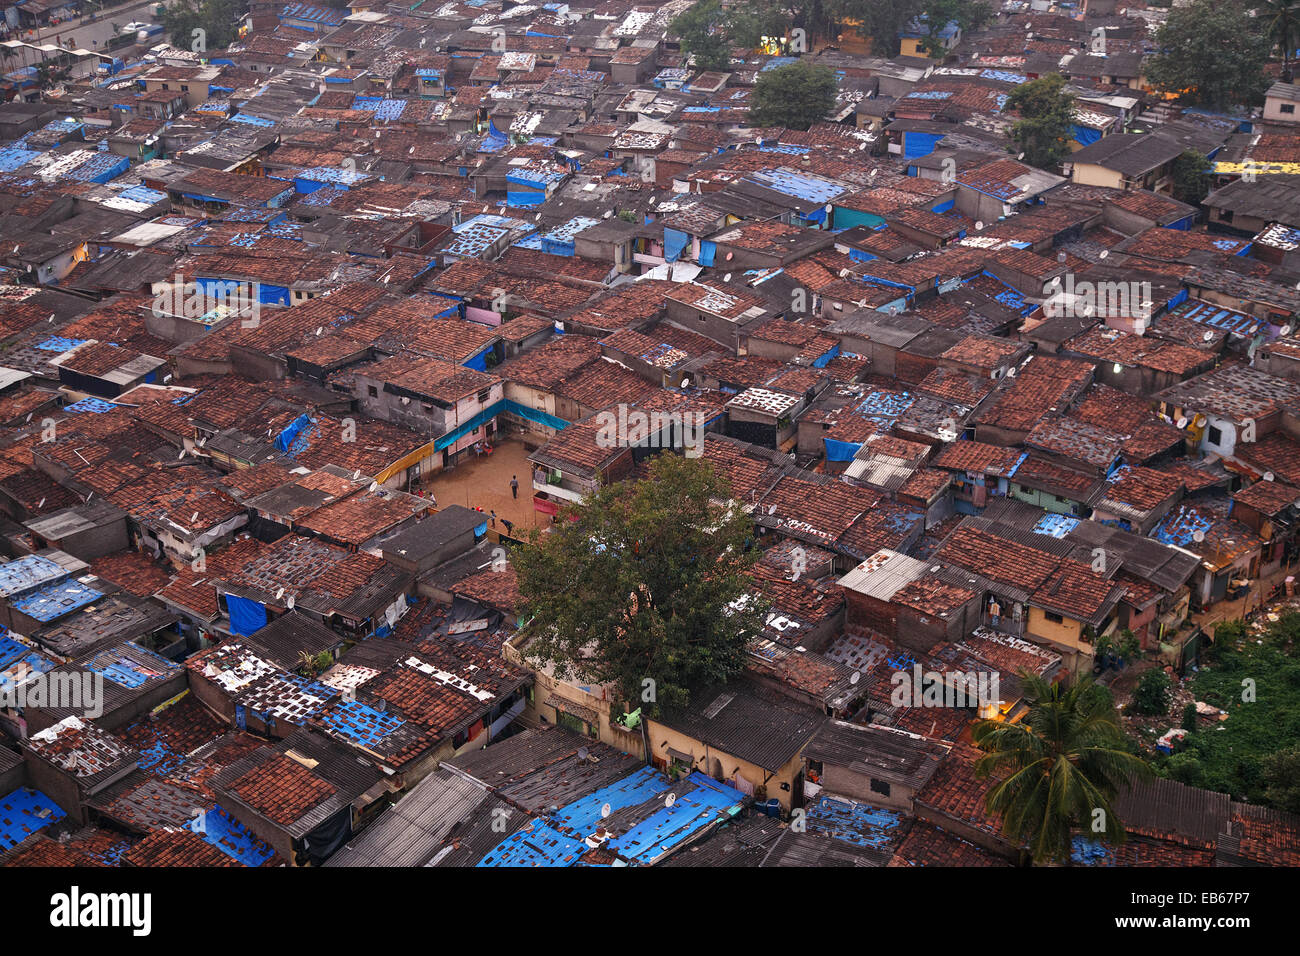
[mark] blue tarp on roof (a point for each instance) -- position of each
(537, 844)
(285, 439)
(1085, 135)
(233, 839)
(916, 145)
(246, 617)
(840, 450)
(24, 812)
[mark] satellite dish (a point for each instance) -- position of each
(1268, 476)
(670, 800)
(1104, 253)
(279, 594)
(685, 382)
(1286, 330)
(1182, 423)
(855, 677)
(727, 277)
(1198, 536)
(1208, 336)
(771, 509)
(289, 603)
(583, 753)
(606, 810)
(979, 226)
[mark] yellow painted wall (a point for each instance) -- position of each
(1091, 175)
(662, 738)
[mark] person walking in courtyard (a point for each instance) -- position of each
(514, 485)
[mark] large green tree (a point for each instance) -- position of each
(794, 96)
(1212, 54)
(217, 19)
(1191, 174)
(1281, 19)
(701, 30)
(1058, 768)
(645, 582)
(937, 14)
(1046, 110)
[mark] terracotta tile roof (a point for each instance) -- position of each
(979, 457)
(998, 559)
(1268, 497)
(491, 588)
(955, 791)
(1044, 385)
(1143, 488)
(356, 519)
(827, 511)
(424, 700)
(133, 571)
(281, 789)
(927, 845)
(1076, 591)
(168, 848)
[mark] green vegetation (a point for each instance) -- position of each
(1151, 699)
(1057, 767)
(644, 586)
(1046, 121)
(793, 96)
(1191, 173)
(1212, 54)
(1281, 19)
(703, 35)
(218, 19)
(1258, 684)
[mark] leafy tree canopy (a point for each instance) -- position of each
(218, 19)
(1046, 121)
(646, 581)
(1212, 54)
(794, 96)
(1058, 768)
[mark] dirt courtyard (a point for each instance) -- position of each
(484, 482)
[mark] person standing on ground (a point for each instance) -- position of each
(514, 485)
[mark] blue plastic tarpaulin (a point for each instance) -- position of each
(246, 617)
(674, 243)
(840, 450)
(286, 437)
(707, 251)
(1085, 135)
(916, 145)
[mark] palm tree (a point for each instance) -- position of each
(1059, 765)
(1281, 19)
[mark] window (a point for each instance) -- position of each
(484, 395)
(1287, 108)
(1054, 618)
(880, 786)
(1214, 435)
(374, 392)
